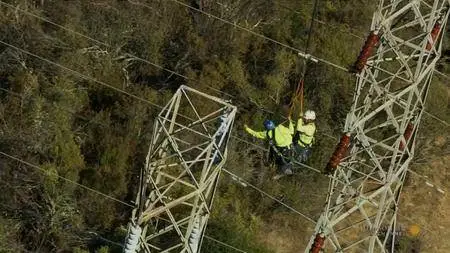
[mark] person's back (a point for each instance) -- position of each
(304, 138)
(281, 135)
(280, 138)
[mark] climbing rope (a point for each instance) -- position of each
(298, 94)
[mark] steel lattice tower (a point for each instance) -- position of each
(187, 152)
(360, 214)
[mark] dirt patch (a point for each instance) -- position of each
(286, 233)
(425, 202)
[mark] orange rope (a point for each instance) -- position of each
(298, 95)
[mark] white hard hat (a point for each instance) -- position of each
(309, 114)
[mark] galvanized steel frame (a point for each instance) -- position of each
(185, 158)
(360, 214)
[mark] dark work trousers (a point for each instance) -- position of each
(282, 158)
(302, 153)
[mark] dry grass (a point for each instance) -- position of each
(424, 205)
(286, 233)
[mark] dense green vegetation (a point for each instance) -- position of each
(71, 125)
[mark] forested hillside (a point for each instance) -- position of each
(79, 81)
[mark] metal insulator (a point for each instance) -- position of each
(339, 152)
(132, 241)
(407, 135)
(319, 241)
(434, 34)
(371, 41)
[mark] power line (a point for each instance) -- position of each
(65, 179)
(110, 86)
(93, 190)
(231, 174)
(135, 57)
(174, 72)
(96, 192)
(88, 37)
(127, 93)
(80, 74)
(141, 99)
(269, 196)
(224, 244)
(344, 30)
(266, 38)
(260, 35)
(130, 94)
(320, 21)
(105, 239)
(442, 74)
(100, 237)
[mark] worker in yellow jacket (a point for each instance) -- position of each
(280, 140)
(304, 136)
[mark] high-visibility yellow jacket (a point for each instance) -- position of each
(283, 135)
(306, 133)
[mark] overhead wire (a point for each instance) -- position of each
(229, 172)
(314, 18)
(133, 56)
(135, 96)
(76, 73)
(46, 172)
(92, 79)
(119, 90)
(99, 82)
(320, 21)
(17, 159)
(300, 52)
(147, 61)
(92, 39)
(298, 94)
(95, 191)
(270, 196)
(345, 31)
(262, 36)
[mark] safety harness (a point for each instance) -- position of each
(272, 144)
(298, 139)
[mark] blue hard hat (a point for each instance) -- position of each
(269, 125)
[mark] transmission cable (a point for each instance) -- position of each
(347, 31)
(135, 96)
(230, 173)
(269, 196)
(298, 94)
(65, 179)
(46, 172)
(269, 39)
(108, 85)
(106, 45)
(157, 65)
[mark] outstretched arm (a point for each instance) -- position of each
(259, 135)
